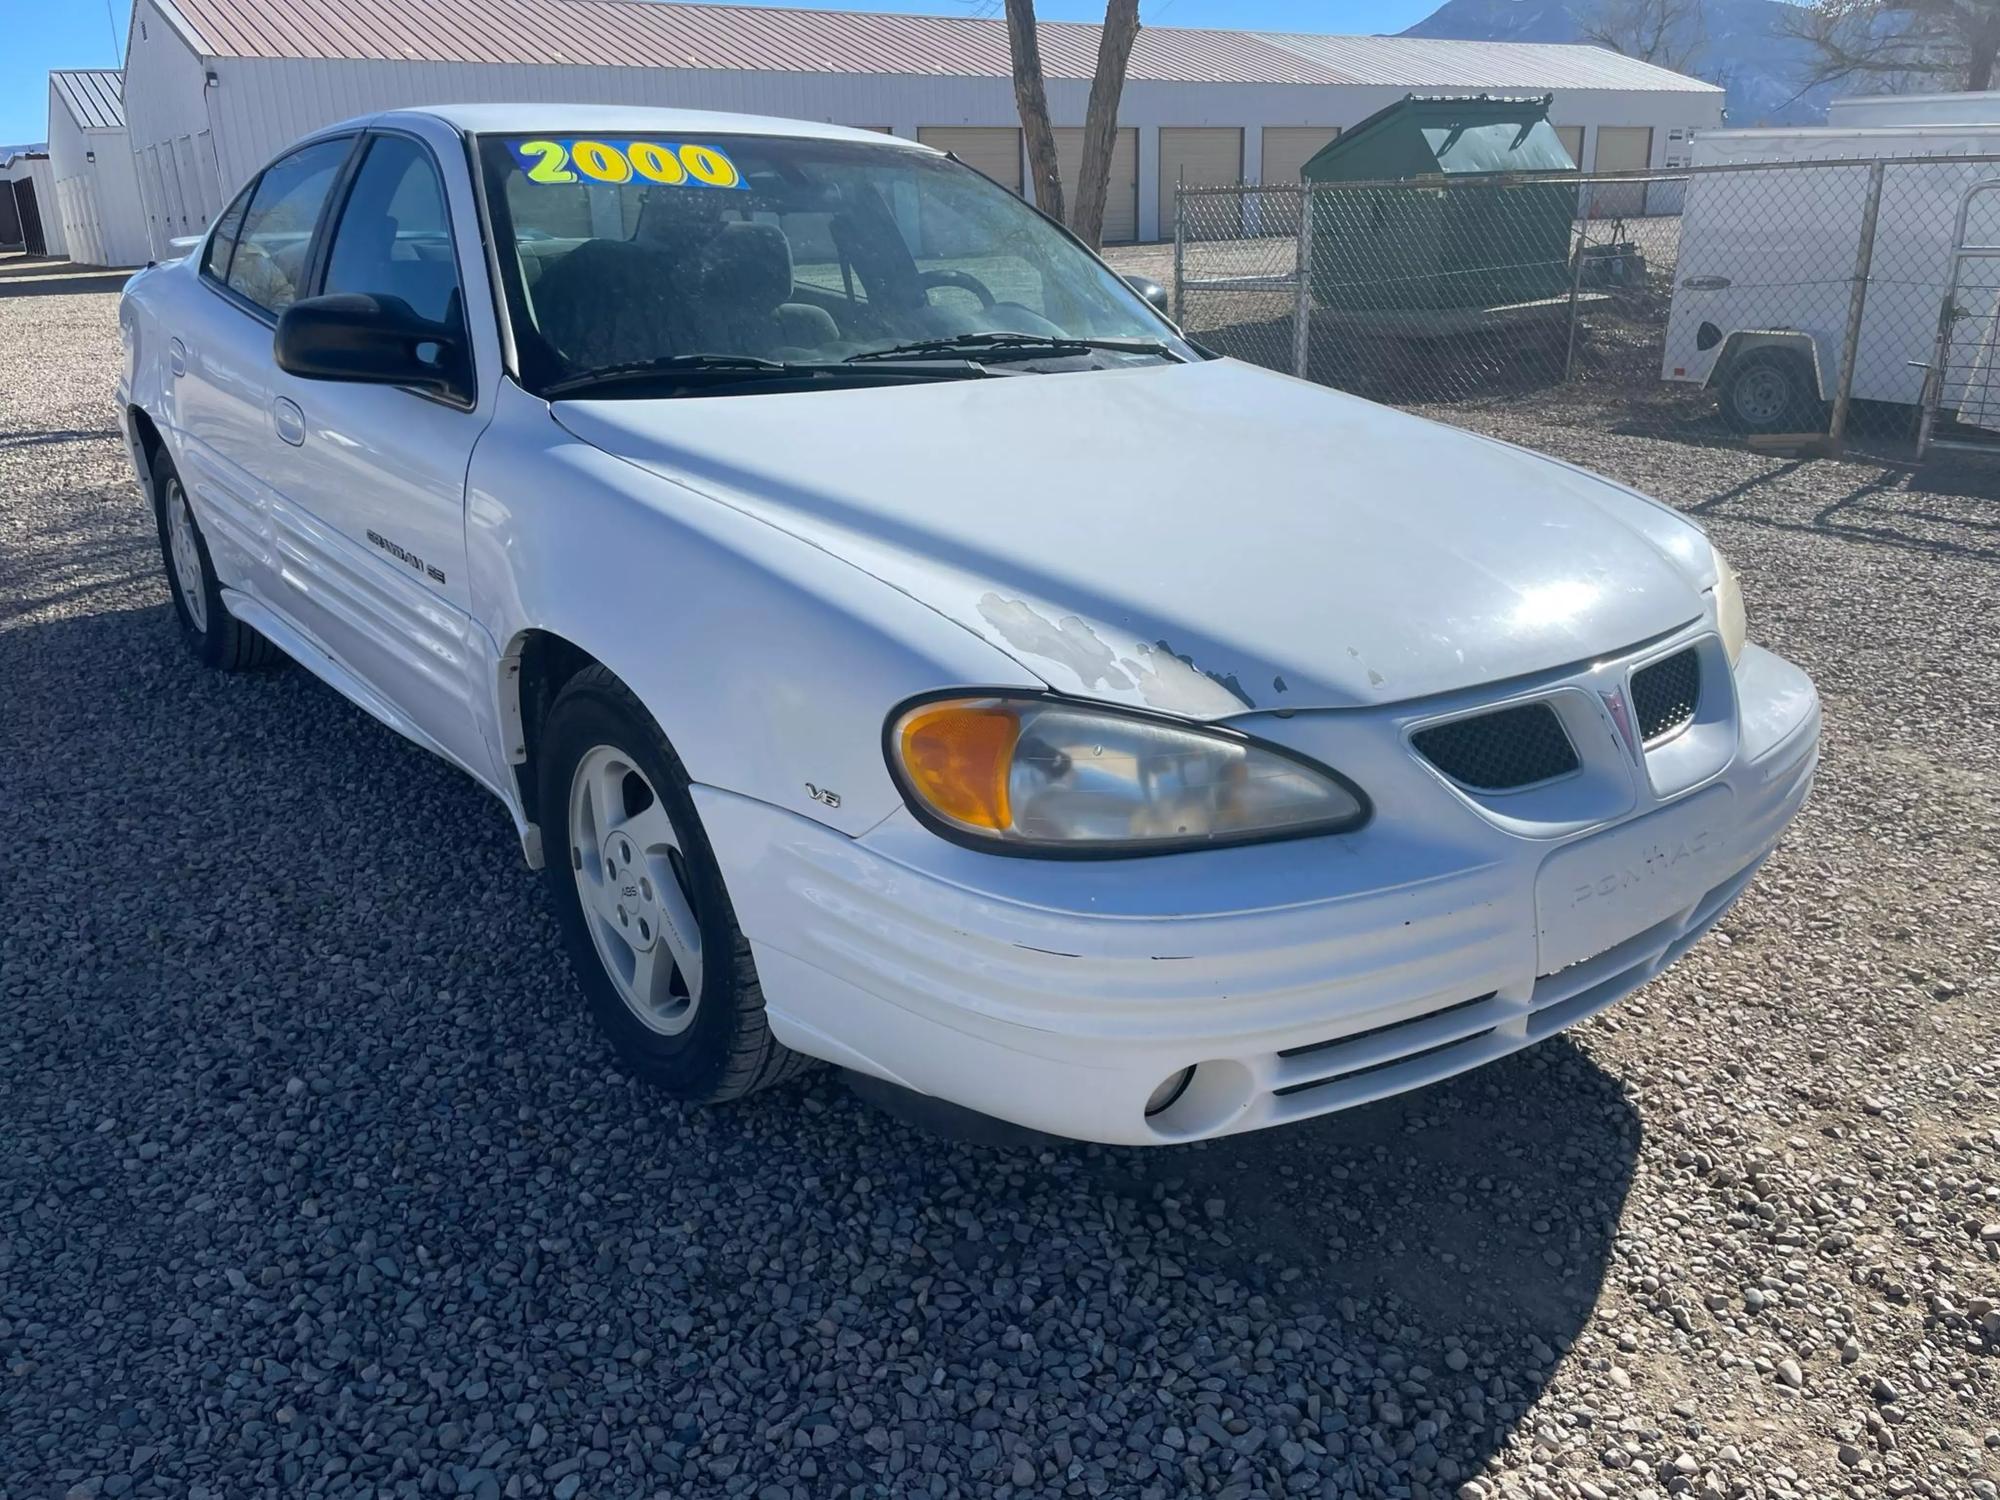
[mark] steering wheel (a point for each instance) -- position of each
(964, 280)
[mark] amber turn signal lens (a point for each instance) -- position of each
(958, 755)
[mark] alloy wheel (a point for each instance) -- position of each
(631, 880)
(186, 555)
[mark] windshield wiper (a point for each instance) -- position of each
(1015, 346)
(675, 364)
(731, 368)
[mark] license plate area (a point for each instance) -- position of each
(1595, 893)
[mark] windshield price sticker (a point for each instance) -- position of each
(667, 163)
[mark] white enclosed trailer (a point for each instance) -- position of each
(1863, 110)
(1765, 281)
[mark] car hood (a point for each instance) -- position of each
(1202, 539)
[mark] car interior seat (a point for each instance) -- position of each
(744, 302)
(612, 302)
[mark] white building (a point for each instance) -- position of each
(214, 88)
(31, 190)
(96, 184)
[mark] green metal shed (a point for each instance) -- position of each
(1408, 248)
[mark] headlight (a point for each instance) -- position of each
(1040, 775)
(1729, 615)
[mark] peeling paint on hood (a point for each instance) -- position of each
(1165, 681)
(1200, 539)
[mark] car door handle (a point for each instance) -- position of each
(177, 357)
(289, 421)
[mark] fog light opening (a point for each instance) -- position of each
(1170, 1089)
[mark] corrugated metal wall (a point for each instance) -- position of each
(167, 124)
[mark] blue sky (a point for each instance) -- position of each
(80, 33)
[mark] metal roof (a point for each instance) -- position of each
(1429, 63)
(643, 33)
(95, 96)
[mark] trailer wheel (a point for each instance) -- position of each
(1768, 390)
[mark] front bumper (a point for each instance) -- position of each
(1298, 978)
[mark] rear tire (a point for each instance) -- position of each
(645, 918)
(218, 639)
(1769, 391)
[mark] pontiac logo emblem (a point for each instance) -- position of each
(1621, 715)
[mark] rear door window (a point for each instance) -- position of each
(269, 267)
(222, 244)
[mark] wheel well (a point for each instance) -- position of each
(532, 672)
(1794, 345)
(150, 444)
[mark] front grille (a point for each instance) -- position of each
(1498, 752)
(1664, 694)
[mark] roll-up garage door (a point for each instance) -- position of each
(1121, 192)
(1287, 148)
(1200, 156)
(1572, 138)
(992, 149)
(1621, 148)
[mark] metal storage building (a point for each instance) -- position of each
(213, 88)
(30, 187)
(96, 184)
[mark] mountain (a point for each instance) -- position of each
(1747, 51)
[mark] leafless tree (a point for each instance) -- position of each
(1937, 44)
(1671, 33)
(1100, 129)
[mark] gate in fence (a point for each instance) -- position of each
(1962, 392)
(1787, 303)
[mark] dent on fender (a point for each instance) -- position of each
(1158, 675)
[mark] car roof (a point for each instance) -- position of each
(628, 119)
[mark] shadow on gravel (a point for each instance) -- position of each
(63, 283)
(35, 439)
(76, 560)
(310, 1098)
(1912, 509)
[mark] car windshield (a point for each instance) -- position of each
(742, 257)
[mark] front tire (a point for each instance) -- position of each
(218, 640)
(644, 915)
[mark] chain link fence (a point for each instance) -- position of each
(1784, 304)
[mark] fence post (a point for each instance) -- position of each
(1180, 248)
(1303, 296)
(1857, 304)
(1576, 277)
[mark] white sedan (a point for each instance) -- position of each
(900, 646)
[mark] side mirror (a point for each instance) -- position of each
(1153, 292)
(373, 340)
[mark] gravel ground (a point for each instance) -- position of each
(313, 1178)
